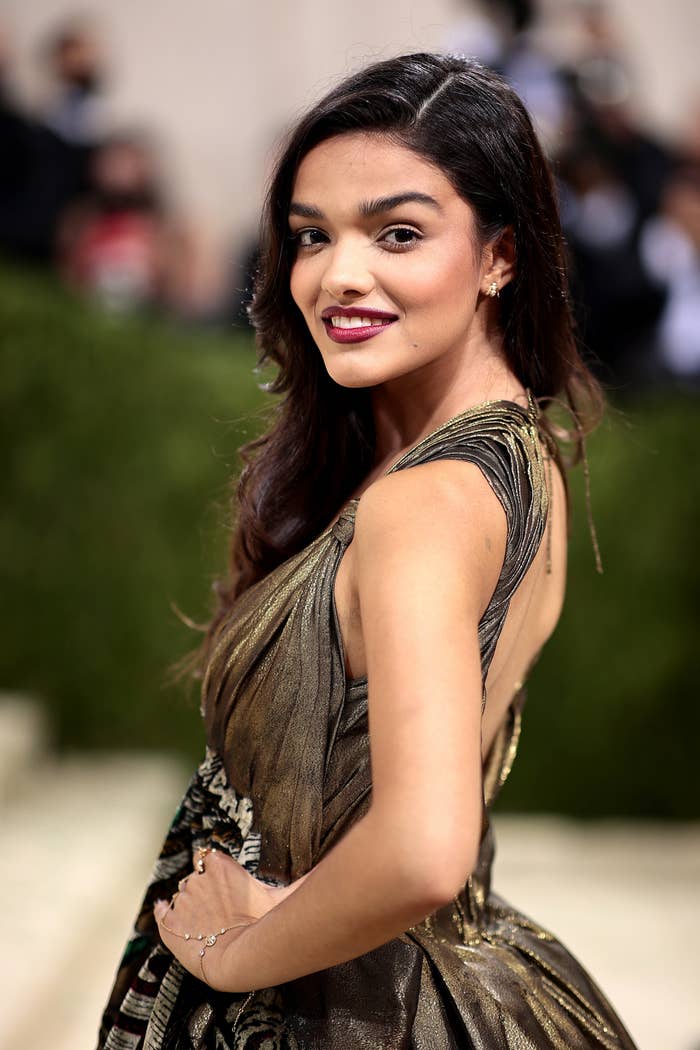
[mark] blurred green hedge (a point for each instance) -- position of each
(120, 437)
(612, 719)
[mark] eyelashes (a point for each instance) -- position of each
(407, 238)
(298, 238)
(413, 234)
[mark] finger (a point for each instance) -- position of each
(160, 909)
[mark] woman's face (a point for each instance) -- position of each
(386, 270)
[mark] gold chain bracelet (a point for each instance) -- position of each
(209, 939)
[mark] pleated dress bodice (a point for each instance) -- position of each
(291, 727)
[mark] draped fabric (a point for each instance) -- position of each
(287, 771)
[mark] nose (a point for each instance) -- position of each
(347, 275)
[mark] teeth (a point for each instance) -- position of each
(356, 322)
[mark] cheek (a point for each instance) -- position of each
(303, 283)
(438, 280)
(305, 287)
(456, 268)
(296, 285)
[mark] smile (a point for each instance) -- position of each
(355, 329)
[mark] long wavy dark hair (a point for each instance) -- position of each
(466, 120)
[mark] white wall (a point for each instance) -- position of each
(220, 78)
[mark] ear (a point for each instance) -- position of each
(499, 260)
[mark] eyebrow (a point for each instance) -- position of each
(368, 209)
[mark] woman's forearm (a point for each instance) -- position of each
(358, 897)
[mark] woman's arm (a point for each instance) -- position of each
(357, 898)
(429, 545)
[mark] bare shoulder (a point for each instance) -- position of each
(447, 499)
(443, 515)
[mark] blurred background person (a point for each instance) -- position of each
(42, 170)
(113, 242)
(121, 242)
(670, 252)
(77, 74)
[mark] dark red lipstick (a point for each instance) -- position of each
(379, 320)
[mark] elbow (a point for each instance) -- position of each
(452, 878)
(441, 868)
(431, 866)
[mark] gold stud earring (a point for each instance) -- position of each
(494, 290)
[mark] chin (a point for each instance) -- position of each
(352, 382)
(368, 369)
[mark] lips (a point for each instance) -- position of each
(354, 324)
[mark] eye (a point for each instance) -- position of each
(308, 238)
(401, 238)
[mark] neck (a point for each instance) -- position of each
(407, 408)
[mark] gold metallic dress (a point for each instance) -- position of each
(287, 771)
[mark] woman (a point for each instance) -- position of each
(399, 562)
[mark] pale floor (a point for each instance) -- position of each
(81, 834)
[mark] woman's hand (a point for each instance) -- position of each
(224, 894)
